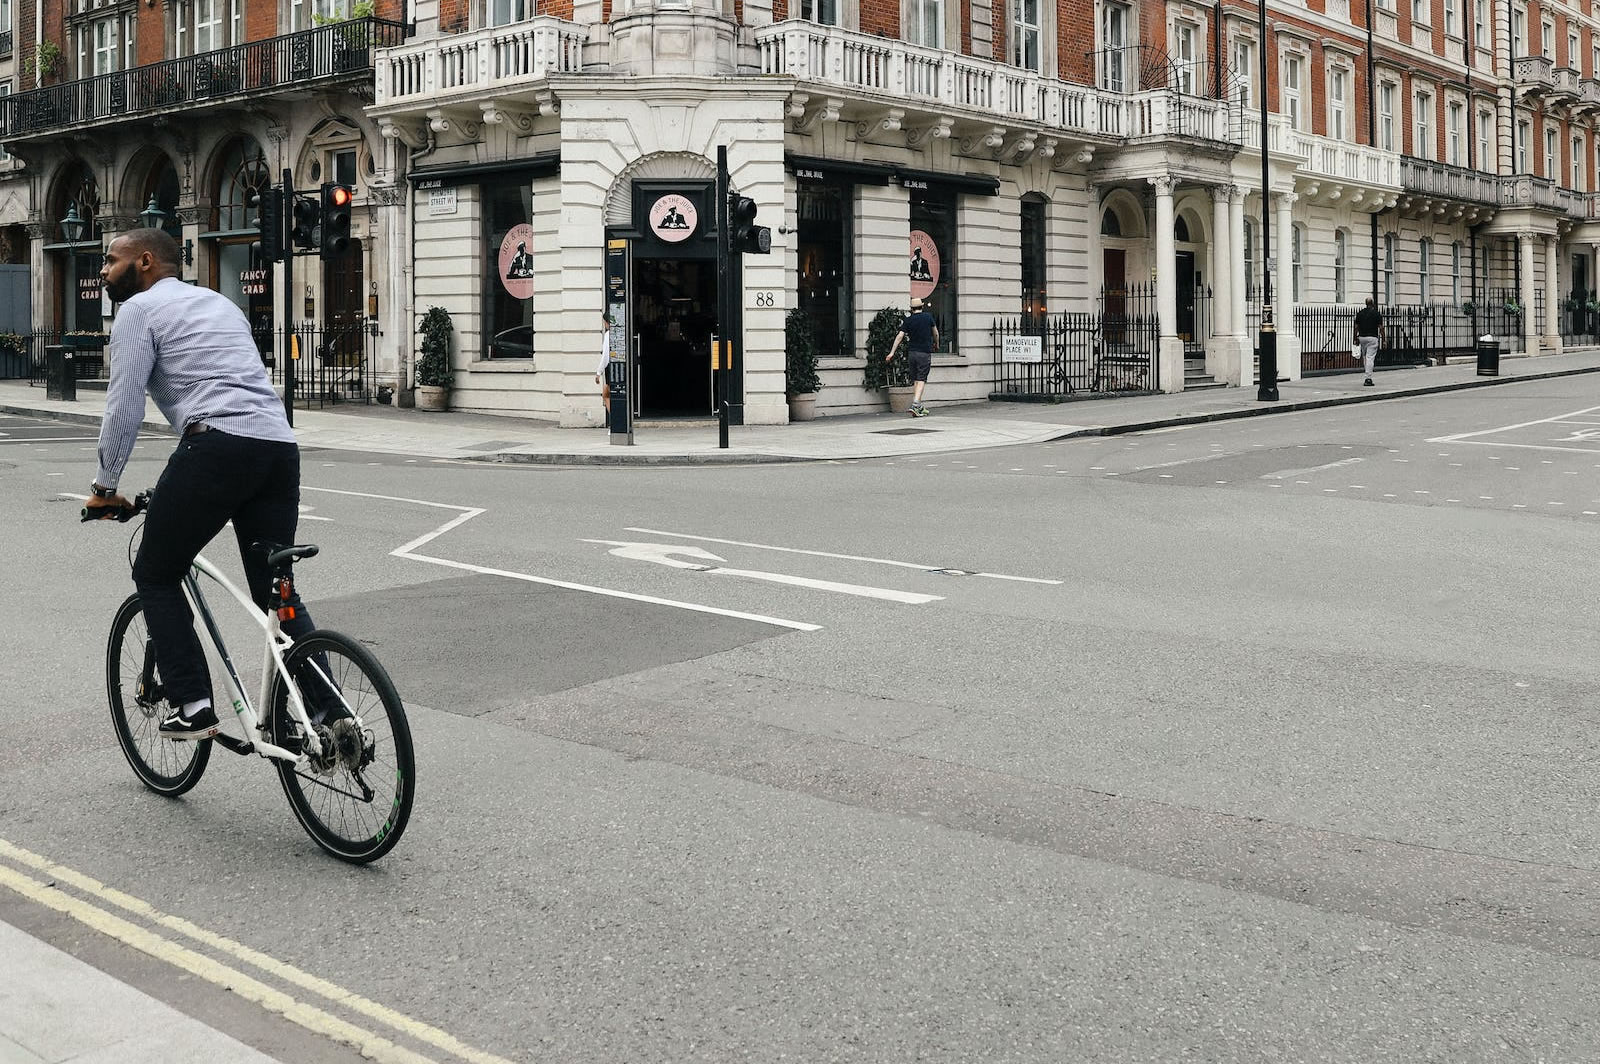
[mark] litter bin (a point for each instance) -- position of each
(61, 375)
(1488, 356)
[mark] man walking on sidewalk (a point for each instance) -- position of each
(1369, 326)
(921, 336)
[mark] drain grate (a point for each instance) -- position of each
(903, 432)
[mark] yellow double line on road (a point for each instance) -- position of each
(370, 1044)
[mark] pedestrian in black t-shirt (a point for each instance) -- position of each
(1369, 326)
(921, 336)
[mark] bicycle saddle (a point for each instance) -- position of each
(277, 553)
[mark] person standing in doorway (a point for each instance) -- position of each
(1369, 326)
(605, 363)
(921, 337)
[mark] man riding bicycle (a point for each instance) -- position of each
(236, 457)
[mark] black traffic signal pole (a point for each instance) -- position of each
(287, 241)
(719, 354)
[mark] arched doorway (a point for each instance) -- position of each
(1190, 241)
(76, 253)
(239, 175)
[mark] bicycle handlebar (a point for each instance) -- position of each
(141, 502)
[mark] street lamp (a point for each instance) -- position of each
(1267, 340)
(152, 217)
(73, 227)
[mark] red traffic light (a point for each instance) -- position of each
(339, 195)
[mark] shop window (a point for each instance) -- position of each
(934, 274)
(826, 270)
(1033, 245)
(508, 269)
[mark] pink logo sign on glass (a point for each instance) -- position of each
(673, 218)
(924, 265)
(516, 261)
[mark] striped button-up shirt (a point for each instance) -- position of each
(192, 348)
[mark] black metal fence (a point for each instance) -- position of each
(1580, 318)
(1051, 356)
(334, 366)
(1412, 334)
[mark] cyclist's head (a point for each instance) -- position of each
(138, 259)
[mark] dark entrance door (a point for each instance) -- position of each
(1185, 271)
(1114, 295)
(674, 316)
(1581, 318)
(340, 352)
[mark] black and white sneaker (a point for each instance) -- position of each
(203, 725)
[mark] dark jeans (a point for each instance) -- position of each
(212, 477)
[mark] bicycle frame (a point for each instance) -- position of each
(271, 665)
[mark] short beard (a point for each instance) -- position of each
(119, 292)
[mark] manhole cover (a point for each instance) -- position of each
(903, 432)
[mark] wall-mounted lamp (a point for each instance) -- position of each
(72, 227)
(152, 216)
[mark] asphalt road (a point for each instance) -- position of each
(1272, 739)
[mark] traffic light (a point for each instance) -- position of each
(744, 234)
(269, 202)
(336, 219)
(307, 215)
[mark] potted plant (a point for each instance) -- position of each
(13, 355)
(84, 340)
(896, 375)
(1469, 308)
(433, 366)
(800, 365)
(1513, 308)
(352, 44)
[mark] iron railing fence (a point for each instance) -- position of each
(334, 364)
(1091, 353)
(1194, 310)
(274, 65)
(1580, 318)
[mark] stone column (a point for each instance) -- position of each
(1221, 271)
(1283, 289)
(1530, 327)
(1552, 299)
(1245, 373)
(1171, 344)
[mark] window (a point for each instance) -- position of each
(507, 12)
(1297, 235)
(1574, 56)
(1341, 248)
(1424, 269)
(1423, 141)
(1577, 164)
(1480, 23)
(1114, 47)
(1293, 79)
(206, 25)
(825, 247)
(1244, 71)
(1486, 160)
(5, 90)
(1386, 279)
(925, 26)
(1454, 133)
(508, 279)
(822, 12)
(1249, 259)
(1524, 145)
(1419, 12)
(1455, 274)
(1547, 39)
(1550, 169)
(105, 44)
(1594, 61)
(304, 14)
(1184, 61)
(1033, 244)
(1386, 95)
(933, 241)
(1338, 105)
(1024, 31)
(1451, 25)
(1519, 32)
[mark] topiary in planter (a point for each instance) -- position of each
(433, 367)
(800, 354)
(881, 331)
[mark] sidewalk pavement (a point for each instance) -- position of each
(54, 1007)
(954, 427)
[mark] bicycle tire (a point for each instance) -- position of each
(168, 767)
(369, 826)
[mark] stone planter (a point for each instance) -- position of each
(803, 407)
(430, 397)
(900, 398)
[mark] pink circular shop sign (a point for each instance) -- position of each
(673, 218)
(924, 271)
(516, 261)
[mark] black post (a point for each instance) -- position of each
(286, 223)
(1372, 139)
(723, 347)
(1267, 340)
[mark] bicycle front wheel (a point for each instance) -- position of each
(165, 766)
(355, 799)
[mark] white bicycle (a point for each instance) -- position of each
(334, 725)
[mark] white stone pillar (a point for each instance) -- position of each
(1283, 293)
(1171, 344)
(1221, 265)
(1245, 373)
(1552, 299)
(1530, 327)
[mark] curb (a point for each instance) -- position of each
(625, 459)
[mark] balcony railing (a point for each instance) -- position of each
(1342, 160)
(1589, 92)
(1428, 178)
(1535, 72)
(5, 44)
(278, 64)
(1523, 190)
(1564, 84)
(485, 60)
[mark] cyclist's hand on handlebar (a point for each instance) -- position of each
(116, 508)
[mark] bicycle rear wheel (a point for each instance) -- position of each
(354, 801)
(137, 704)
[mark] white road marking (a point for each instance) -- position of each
(49, 439)
(467, 513)
(306, 515)
(661, 554)
(829, 554)
(1285, 474)
(371, 1045)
